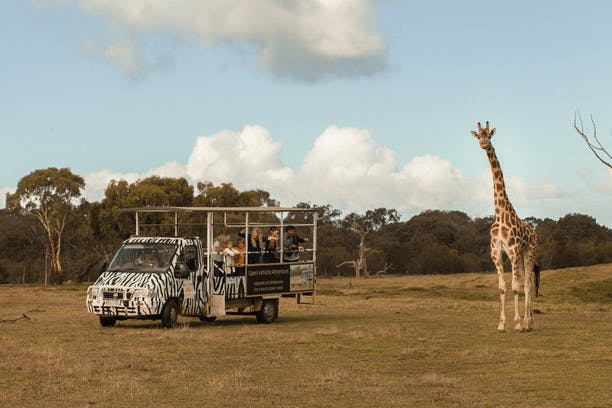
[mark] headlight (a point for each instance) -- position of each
(94, 291)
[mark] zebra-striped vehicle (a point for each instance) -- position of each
(164, 275)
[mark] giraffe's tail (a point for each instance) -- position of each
(536, 272)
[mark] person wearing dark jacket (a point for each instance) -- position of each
(291, 244)
(271, 246)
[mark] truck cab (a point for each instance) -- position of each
(162, 277)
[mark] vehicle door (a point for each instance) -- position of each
(217, 284)
(191, 282)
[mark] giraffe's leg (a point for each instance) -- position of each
(496, 256)
(529, 287)
(517, 265)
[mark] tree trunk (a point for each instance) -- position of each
(363, 263)
(56, 265)
(360, 264)
(55, 245)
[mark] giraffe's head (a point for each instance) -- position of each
(484, 135)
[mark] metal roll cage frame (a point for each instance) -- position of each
(209, 224)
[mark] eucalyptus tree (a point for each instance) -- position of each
(50, 196)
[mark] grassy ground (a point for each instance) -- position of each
(392, 341)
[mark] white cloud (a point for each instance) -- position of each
(346, 164)
(96, 182)
(595, 182)
(131, 58)
(307, 39)
(250, 158)
(345, 167)
(537, 190)
(125, 55)
(171, 169)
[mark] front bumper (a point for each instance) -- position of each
(121, 302)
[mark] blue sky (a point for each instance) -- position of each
(378, 116)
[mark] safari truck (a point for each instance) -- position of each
(191, 262)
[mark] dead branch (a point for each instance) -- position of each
(384, 270)
(357, 265)
(352, 263)
(596, 147)
(23, 317)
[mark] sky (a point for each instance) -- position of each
(355, 103)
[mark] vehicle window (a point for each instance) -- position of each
(149, 257)
(190, 255)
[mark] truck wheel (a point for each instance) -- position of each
(106, 321)
(268, 312)
(169, 314)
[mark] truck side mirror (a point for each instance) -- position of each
(181, 272)
(103, 267)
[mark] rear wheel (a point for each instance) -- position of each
(107, 321)
(169, 315)
(268, 312)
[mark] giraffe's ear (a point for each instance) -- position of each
(474, 134)
(493, 132)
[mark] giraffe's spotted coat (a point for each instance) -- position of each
(511, 235)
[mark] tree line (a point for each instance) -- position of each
(48, 226)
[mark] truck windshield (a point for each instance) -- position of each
(148, 257)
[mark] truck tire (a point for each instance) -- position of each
(169, 314)
(268, 312)
(107, 321)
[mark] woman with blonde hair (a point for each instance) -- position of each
(254, 245)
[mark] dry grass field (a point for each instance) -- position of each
(393, 341)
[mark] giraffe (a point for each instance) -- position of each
(513, 236)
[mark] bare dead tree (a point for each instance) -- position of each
(362, 226)
(356, 264)
(360, 264)
(596, 147)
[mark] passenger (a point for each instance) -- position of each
(239, 257)
(272, 246)
(291, 244)
(217, 255)
(254, 246)
(228, 257)
(147, 259)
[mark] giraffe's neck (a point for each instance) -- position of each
(502, 203)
